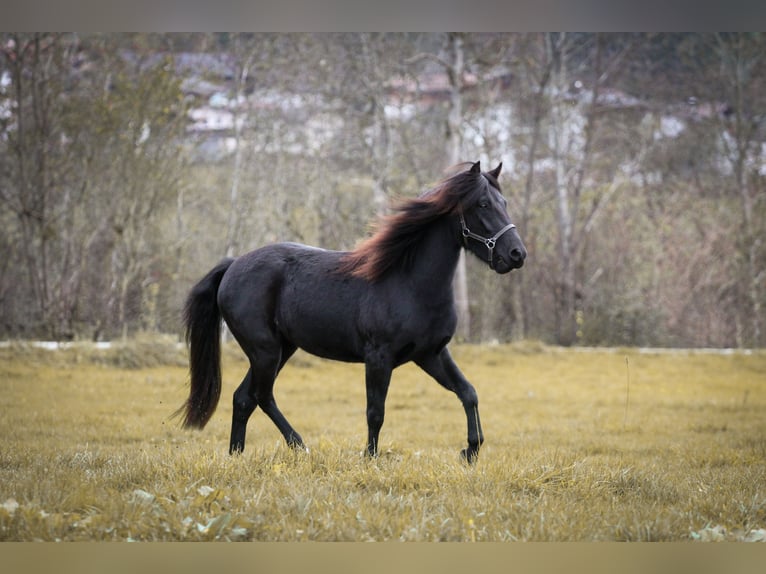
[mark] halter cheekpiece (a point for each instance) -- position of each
(488, 241)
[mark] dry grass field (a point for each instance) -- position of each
(580, 446)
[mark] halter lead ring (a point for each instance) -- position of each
(489, 242)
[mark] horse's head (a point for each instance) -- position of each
(486, 226)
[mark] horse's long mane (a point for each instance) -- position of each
(396, 236)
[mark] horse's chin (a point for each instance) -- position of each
(502, 267)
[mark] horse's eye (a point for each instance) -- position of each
(484, 204)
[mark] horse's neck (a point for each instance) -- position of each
(437, 256)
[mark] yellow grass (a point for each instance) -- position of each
(87, 450)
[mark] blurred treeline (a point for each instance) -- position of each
(634, 166)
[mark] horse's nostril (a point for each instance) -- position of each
(517, 254)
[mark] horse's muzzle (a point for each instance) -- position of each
(513, 259)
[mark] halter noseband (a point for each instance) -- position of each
(489, 242)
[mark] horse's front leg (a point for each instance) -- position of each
(378, 369)
(443, 369)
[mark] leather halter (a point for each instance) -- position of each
(488, 241)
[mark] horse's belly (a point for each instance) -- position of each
(329, 344)
(331, 352)
(323, 333)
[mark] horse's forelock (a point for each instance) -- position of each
(464, 189)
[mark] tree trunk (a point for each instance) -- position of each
(518, 289)
(738, 60)
(455, 70)
(380, 146)
(561, 148)
(232, 235)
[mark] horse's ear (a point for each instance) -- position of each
(496, 172)
(476, 168)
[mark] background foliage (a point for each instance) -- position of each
(633, 164)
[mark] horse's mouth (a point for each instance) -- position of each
(503, 266)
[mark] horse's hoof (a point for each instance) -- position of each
(469, 455)
(298, 447)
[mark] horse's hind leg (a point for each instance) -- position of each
(264, 391)
(257, 390)
(244, 405)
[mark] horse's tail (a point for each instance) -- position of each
(202, 319)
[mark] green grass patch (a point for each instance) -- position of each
(600, 445)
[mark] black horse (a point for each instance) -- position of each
(388, 302)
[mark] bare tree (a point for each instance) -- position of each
(39, 183)
(742, 60)
(574, 126)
